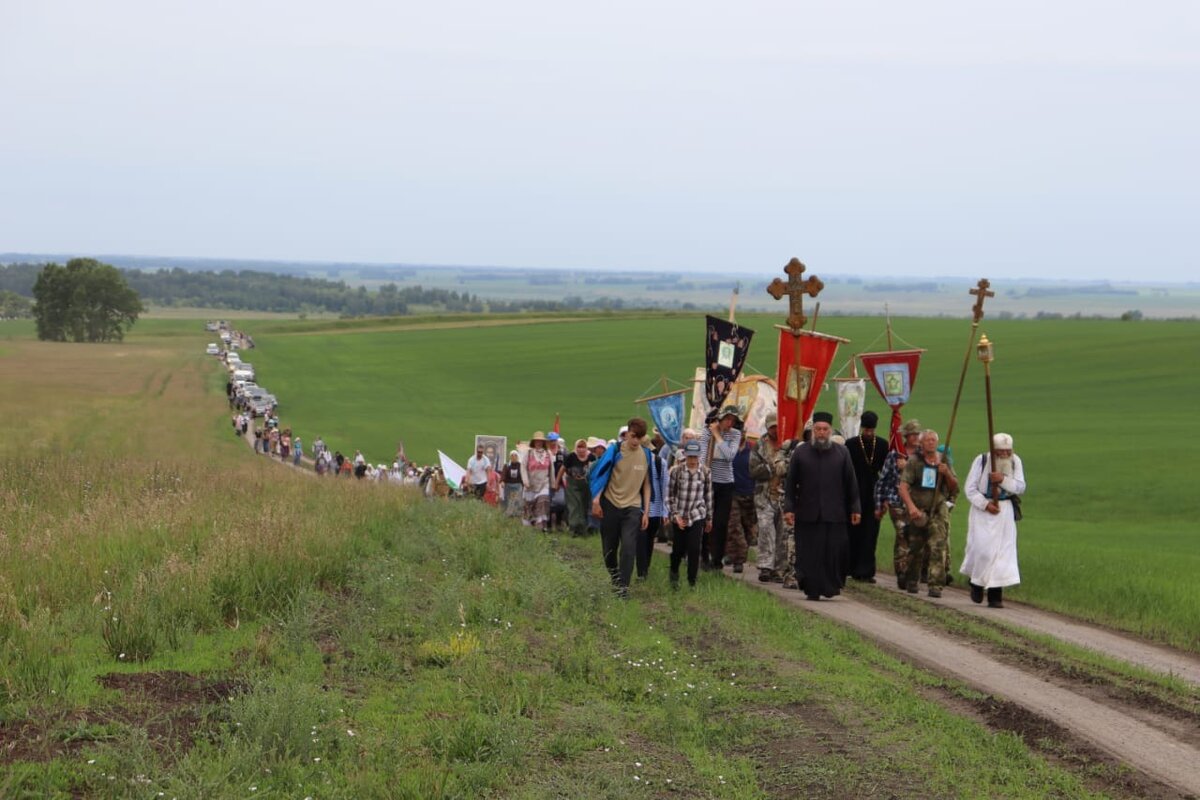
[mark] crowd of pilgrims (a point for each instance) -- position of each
(712, 497)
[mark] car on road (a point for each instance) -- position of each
(212, 349)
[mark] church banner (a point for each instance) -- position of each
(894, 373)
(667, 413)
(804, 359)
(725, 347)
(852, 397)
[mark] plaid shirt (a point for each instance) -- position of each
(691, 493)
(886, 488)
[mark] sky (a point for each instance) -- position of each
(1021, 138)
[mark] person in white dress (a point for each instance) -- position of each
(994, 491)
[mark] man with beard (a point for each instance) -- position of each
(925, 485)
(868, 452)
(990, 562)
(820, 496)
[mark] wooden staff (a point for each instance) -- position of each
(981, 293)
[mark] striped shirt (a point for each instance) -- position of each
(723, 455)
(691, 493)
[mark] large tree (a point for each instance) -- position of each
(85, 301)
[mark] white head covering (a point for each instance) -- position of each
(1002, 441)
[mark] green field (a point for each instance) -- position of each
(1109, 531)
(181, 619)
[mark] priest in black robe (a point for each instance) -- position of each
(867, 454)
(820, 499)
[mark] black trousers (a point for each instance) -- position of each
(618, 540)
(645, 546)
(863, 538)
(687, 543)
(722, 504)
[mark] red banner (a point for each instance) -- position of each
(804, 360)
(894, 373)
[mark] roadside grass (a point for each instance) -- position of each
(181, 617)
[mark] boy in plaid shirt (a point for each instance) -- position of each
(691, 504)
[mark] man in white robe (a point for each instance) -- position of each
(990, 561)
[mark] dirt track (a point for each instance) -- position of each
(1137, 737)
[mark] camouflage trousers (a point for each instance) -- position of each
(929, 549)
(772, 544)
(903, 547)
(743, 528)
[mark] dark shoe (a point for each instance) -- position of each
(791, 583)
(995, 598)
(776, 577)
(738, 568)
(764, 576)
(935, 591)
(949, 579)
(995, 604)
(976, 594)
(911, 588)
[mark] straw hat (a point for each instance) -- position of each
(537, 436)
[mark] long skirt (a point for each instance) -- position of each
(537, 508)
(514, 504)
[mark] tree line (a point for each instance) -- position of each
(251, 290)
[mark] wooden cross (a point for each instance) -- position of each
(981, 293)
(795, 289)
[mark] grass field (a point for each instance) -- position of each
(181, 619)
(1109, 532)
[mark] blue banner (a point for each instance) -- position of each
(667, 413)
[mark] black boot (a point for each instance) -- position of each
(994, 598)
(976, 594)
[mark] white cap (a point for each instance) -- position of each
(1002, 441)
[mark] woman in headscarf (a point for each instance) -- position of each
(510, 475)
(537, 472)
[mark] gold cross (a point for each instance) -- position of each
(981, 293)
(795, 289)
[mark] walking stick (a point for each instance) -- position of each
(987, 355)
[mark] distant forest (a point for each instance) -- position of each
(251, 290)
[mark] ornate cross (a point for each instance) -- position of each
(981, 293)
(795, 289)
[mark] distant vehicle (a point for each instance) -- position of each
(210, 326)
(212, 349)
(243, 374)
(262, 404)
(232, 358)
(233, 345)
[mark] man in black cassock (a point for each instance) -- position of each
(820, 497)
(867, 454)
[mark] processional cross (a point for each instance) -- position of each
(795, 289)
(981, 293)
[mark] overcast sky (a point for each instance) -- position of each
(1050, 138)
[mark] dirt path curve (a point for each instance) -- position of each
(1144, 747)
(1101, 640)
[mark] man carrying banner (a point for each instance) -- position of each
(924, 487)
(887, 496)
(990, 562)
(720, 441)
(868, 453)
(820, 497)
(772, 548)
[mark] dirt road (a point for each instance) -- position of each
(1157, 746)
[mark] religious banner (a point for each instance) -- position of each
(804, 359)
(667, 412)
(700, 407)
(725, 347)
(852, 397)
(494, 447)
(893, 372)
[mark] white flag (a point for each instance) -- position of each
(851, 397)
(453, 472)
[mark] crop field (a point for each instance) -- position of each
(181, 619)
(1109, 531)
